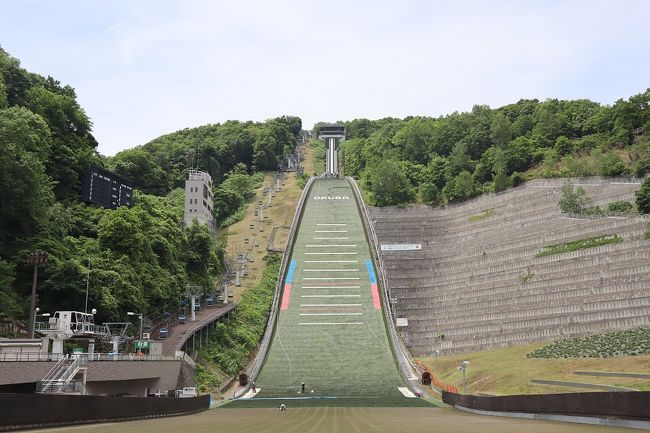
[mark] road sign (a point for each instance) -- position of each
(141, 344)
(401, 247)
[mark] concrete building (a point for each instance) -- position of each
(198, 198)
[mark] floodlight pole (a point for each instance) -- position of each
(140, 316)
(463, 367)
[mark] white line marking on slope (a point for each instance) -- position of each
(330, 231)
(331, 314)
(331, 270)
(330, 296)
(331, 261)
(332, 278)
(330, 305)
(329, 254)
(328, 246)
(331, 239)
(331, 287)
(331, 224)
(330, 323)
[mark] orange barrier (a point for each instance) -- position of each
(435, 382)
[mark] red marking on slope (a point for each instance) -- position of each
(286, 295)
(375, 296)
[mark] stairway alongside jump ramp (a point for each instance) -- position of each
(330, 332)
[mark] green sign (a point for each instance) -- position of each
(142, 344)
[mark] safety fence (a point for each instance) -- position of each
(627, 405)
(23, 411)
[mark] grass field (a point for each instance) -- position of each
(337, 420)
(280, 214)
(330, 332)
(509, 371)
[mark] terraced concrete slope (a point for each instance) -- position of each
(330, 332)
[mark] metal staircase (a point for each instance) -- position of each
(67, 376)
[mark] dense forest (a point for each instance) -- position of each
(138, 258)
(458, 156)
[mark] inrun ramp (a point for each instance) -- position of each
(330, 331)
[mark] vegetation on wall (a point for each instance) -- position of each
(579, 244)
(575, 201)
(455, 157)
(619, 343)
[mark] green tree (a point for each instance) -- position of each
(573, 201)
(26, 192)
(3, 93)
(501, 180)
(461, 187)
(429, 193)
(389, 186)
(501, 130)
(643, 197)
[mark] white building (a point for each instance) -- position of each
(198, 198)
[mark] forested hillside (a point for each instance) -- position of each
(455, 157)
(137, 259)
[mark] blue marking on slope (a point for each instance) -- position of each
(371, 272)
(292, 269)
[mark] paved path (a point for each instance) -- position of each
(180, 333)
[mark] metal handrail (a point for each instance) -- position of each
(255, 366)
(404, 360)
(94, 357)
(55, 368)
(29, 356)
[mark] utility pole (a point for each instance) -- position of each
(36, 258)
(87, 287)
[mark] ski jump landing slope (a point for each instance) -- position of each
(330, 331)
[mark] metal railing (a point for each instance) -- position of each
(405, 362)
(256, 365)
(130, 357)
(51, 373)
(75, 328)
(48, 357)
(30, 356)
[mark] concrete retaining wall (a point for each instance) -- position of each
(476, 283)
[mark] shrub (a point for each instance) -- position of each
(579, 245)
(573, 201)
(619, 343)
(643, 197)
(487, 213)
(620, 207)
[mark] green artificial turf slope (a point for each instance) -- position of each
(331, 337)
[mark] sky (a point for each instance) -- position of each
(150, 67)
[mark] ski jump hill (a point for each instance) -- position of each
(328, 328)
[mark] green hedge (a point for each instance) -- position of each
(618, 343)
(579, 245)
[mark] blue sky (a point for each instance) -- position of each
(145, 68)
